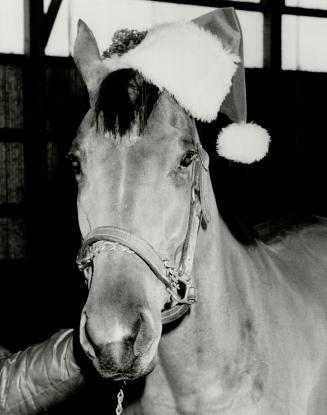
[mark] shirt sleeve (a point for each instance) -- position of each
(39, 377)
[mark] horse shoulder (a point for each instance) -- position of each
(291, 315)
(303, 251)
(297, 265)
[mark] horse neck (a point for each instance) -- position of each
(216, 339)
(221, 270)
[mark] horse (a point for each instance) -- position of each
(213, 326)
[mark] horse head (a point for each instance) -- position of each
(134, 155)
(141, 172)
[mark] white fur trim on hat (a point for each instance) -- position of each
(244, 143)
(188, 62)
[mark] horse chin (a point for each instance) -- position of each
(121, 360)
(120, 334)
(140, 367)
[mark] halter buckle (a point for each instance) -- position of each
(83, 263)
(189, 297)
(181, 290)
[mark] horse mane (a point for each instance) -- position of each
(125, 99)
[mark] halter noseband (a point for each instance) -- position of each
(178, 281)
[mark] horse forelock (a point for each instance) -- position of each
(124, 104)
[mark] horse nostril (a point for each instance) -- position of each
(99, 333)
(145, 334)
(94, 346)
(85, 340)
(96, 335)
(115, 339)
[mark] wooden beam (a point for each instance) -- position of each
(272, 34)
(11, 135)
(49, 20)
(9, 210)
(33, 27)
(240, 5)
(302, 11)
(34, 84)
(36, 22)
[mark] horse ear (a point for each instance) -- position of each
(88, 60)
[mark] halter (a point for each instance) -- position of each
(179, 282)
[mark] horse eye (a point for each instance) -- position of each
(74, 163)
(76, 167)
(187, 159)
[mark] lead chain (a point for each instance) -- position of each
(120, 398)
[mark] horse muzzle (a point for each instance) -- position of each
(120, 351)
(120, 324)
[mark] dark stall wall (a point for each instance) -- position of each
(293, 110)
(38, 295)
(11, 87)
(290, 180)
(12, 241)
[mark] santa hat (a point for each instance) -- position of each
(240, 141)
(200, 64)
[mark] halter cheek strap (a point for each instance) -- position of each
(179, 282)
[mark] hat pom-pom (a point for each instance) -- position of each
(243, 143)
